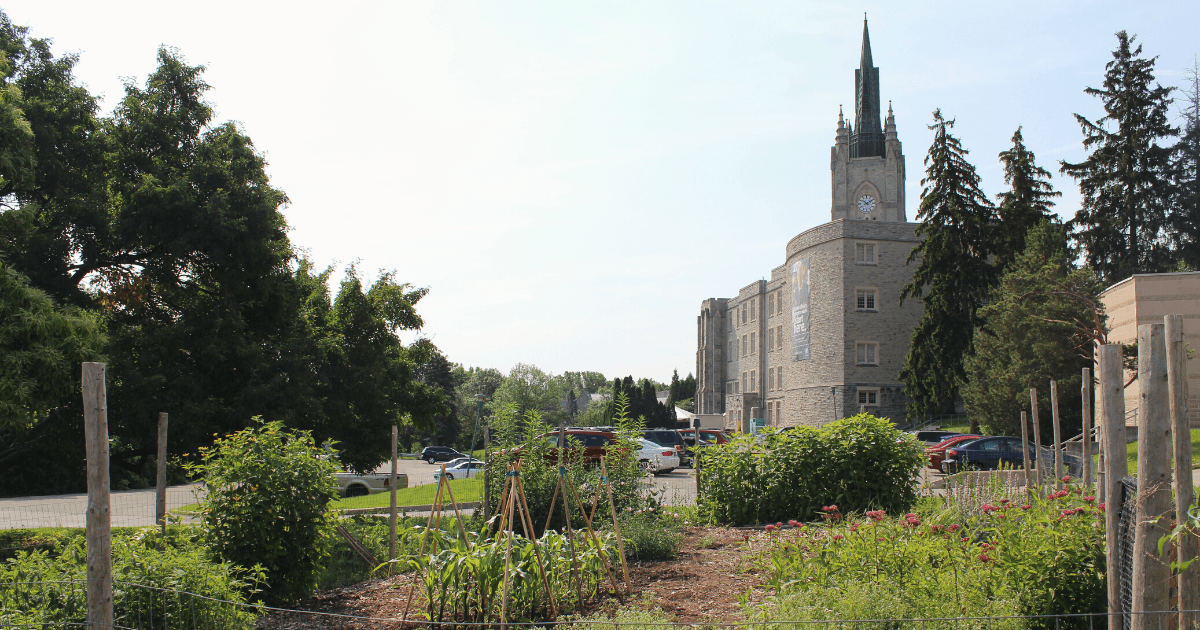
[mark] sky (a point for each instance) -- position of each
(571, 179)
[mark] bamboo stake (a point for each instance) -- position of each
(596, 539)
(99, 516)
(1025, 451)
(1112, 393)
(508, 509)
(437, 502)
(528, 520)
(1086, 387)
(1151, 576)
(553, 501)
(616, 526)
(1189, 596)
(1037, 439)
(1058, 445)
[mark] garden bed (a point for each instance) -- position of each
(704, 584)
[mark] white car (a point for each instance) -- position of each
(354, 485)
(657, 459)
(454, 463)
(466, 468)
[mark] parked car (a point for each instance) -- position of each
(355, 485)
(986, 454)
(657, 459)
(595, 444)
(937, 452)
(462, 469)
(439, 454)
(461, 460)
(670, 438)
(933, 436)
(716, 436)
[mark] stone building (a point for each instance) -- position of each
(826, 334)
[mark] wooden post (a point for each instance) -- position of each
(1112, 394)
(160, 487)
(1086, 387)
(1025, 451)
(1037, 438)
(392, 503)
(1058, 445)
(1189, 595)
(1151, 574)
(99, 518)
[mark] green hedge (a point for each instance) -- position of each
(859, 463)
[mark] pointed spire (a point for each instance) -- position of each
(865, 60)
(868, 141)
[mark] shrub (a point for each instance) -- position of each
(859, 463)
(268, 490)
(650, 533)
(49, 587)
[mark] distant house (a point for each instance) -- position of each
(1145, 298)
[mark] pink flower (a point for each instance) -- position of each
(911, 520)
(838, 537)
(1067, 479)
(854, 527)
(830, 508)
(965, 539)
(988, 507)
(955, 527)
(778, 525)
(1089, 499)
(983, 557)
(771, 528)
(795, 523)
(876, 515)
(935, 529)
(1026, 506)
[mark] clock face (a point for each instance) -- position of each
(866, 203)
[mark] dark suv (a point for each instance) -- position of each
(669, 438)
(439, 454)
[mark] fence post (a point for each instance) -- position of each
(1086, 390)
(1025, 451)
(160, 487)
(1189, 596)
(392, 503)
(1057, 429)
(1037, 438)
(99, 518)
(1112, 394)
(1151, 576)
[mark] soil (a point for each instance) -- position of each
(704, 584)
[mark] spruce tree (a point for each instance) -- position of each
(1125, 179)
(1185, 209)
(1026, 203)
(953, 275)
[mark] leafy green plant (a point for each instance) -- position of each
(268, 493)
(49, 588)
(859, 463)
(463, 578)
(1040, 557)
(650, 533)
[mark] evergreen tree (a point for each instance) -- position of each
(572, 406)
(1026, 203)
(1125, 179)
(953, 275)
(1041, 324)
(1185, 209)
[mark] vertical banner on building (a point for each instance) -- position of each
(801, 317)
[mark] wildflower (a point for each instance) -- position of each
(676, 515)
(1026, 506)
(936, 529)
(987, 546)
(1068, 512)
(838, 537)
(1080, 510)
(911, 520)
(1066, 479)
(778, 525)
(831, 508)
(795, 523)
(983, 557)
(771, 528)
(955, 527)
(854, 527)
(965, 539)
(1004, 501)
(988, 507)
(876, 515)
(1089, 499)
(1100, 507)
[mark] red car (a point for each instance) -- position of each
(937, 452)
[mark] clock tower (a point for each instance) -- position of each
(866, 161)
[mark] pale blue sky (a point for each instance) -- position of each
(566, 176)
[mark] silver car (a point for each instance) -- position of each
(462, 470)
(657, 459)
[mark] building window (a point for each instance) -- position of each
(753, 311)
(868, 353)
(770, 379)
(770, 339)
(753, 380)
(868, 396)
(743, 313)
(744, 345)
(745, 381)
(778, 413)
(779, 302)
(779, 336)
(864, 254)
(753, 343)
(865, 300)
(770, 304)
(770, 416)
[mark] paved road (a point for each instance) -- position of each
(130, 508)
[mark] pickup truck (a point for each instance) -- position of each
(354, 485)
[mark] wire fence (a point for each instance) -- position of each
(130, 508)
(61, 604)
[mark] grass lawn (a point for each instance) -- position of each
(1131, 450)
(465, 491)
